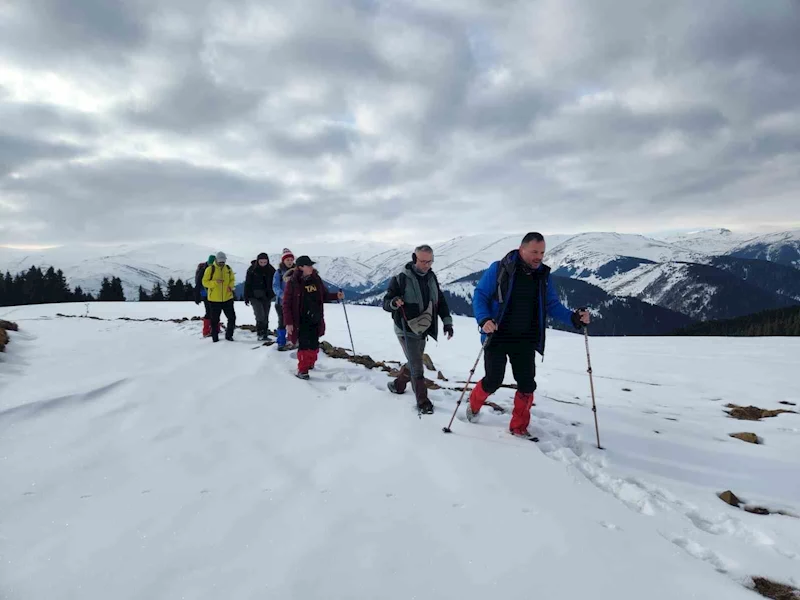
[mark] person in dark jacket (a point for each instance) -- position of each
(258, 292)
(303, 312)
(511, 303)
(201, 293)
(283, 273)
(416, 302)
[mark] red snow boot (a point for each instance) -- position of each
(521, 415)
(313, 356)
(305, 360)
(206, 327)
(477, 398)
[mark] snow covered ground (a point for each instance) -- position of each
(138, 460)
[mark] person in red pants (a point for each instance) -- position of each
(304, 297)
(511, 303)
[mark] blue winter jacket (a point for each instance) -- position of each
(495, 286)
(278, 283)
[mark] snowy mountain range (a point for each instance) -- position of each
(703, 275)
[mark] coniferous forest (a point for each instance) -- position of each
(37, 287)
(779, 322)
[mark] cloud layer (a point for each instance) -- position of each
(234, 122)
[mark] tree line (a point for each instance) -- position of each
(37, 287)
(177, 291)
(778, 322)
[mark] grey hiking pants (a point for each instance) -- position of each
(261, 311)
(413, 347)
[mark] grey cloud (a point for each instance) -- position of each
(330, 140)
(18, 151)
(193, 103)
(39, 32)
(22, 118)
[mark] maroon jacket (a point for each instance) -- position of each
(293, 300)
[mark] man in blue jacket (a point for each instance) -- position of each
(511, 303)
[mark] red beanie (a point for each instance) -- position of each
(286, 254)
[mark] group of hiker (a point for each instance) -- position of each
(511, 304)
(295, 286)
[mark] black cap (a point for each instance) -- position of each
(304, 261)
(262, 255)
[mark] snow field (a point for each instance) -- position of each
(139, 460)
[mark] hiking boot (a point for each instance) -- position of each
(398, 386)
(523, 433)
(301, 375)
(471, 416)
(423, 403)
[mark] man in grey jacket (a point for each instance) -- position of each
(416, 301)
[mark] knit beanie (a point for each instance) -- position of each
(286, 254)
(262, 255)
(221, 258)
(211, 259)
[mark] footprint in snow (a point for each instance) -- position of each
(697, 550)
(610, 526)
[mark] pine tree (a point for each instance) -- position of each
(117, 293)
(157, 294)
(8, 297)
(170, 295)
(143, 296)
(105, 291)
(188, 291)
(33, 286)
(180, 292)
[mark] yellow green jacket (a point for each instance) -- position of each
(219, 292)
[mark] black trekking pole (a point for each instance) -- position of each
(466, 385)
(591, 383)
(352, 346)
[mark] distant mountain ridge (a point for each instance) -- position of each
(713, 274)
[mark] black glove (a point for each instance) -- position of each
(197, 302)
(448, 329)
(247, 301)
(393, 303)
(576, 318)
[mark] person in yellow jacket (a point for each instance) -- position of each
(220, 282)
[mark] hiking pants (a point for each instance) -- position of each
(521, 355)
(413, 348)
(216, 309)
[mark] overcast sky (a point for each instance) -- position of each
(232, 122)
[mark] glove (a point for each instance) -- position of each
(576, 318)
(396, 302)
(448, 329)
(197, 302)
(247, 301)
